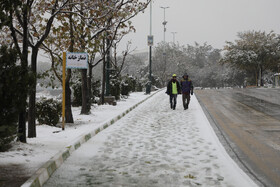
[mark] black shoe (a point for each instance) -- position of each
(171, 106)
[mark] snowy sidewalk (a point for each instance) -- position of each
(23, 160)
(153, 146)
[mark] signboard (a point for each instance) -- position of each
(150, 40)
(76, 60)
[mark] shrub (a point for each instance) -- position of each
(130, 84)
(125, 88)
(95, 88)
(77, 92)
(139, 86)
(115, 88)
(7, 134)
(48, 111)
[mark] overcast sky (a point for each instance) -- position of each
(211, 21)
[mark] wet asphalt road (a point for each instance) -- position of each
(249, 119)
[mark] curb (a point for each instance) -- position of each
(45, 172)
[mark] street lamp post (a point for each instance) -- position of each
(150, 43)
(164, 22)
(164, 30)
(174, 36)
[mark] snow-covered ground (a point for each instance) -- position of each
(31, 156)
(151, 146)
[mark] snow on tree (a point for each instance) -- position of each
(254, 52)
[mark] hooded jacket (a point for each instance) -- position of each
(186, 85)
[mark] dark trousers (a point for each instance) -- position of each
(173, 100)
(184, 97)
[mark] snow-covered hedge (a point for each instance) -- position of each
(48, 111)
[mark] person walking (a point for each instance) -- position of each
(173, 89)
(187, 90)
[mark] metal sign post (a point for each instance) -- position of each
(76, 60)
(70, 61)
(150, 40)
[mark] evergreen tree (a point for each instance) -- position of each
(10, 96)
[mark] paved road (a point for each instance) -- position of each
(250, 119)
(153, 146)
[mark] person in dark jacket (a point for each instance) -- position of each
(173, 89)
(187, 89)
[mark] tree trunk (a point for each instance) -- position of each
(24, 74)
(23, 89)
(31, 113)
(103, 82)
(68, 110)
(22, 126)
(257, 78)
(261, 76)
(68, 107)
(32, 96)
(89, 83)
(85, 102)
